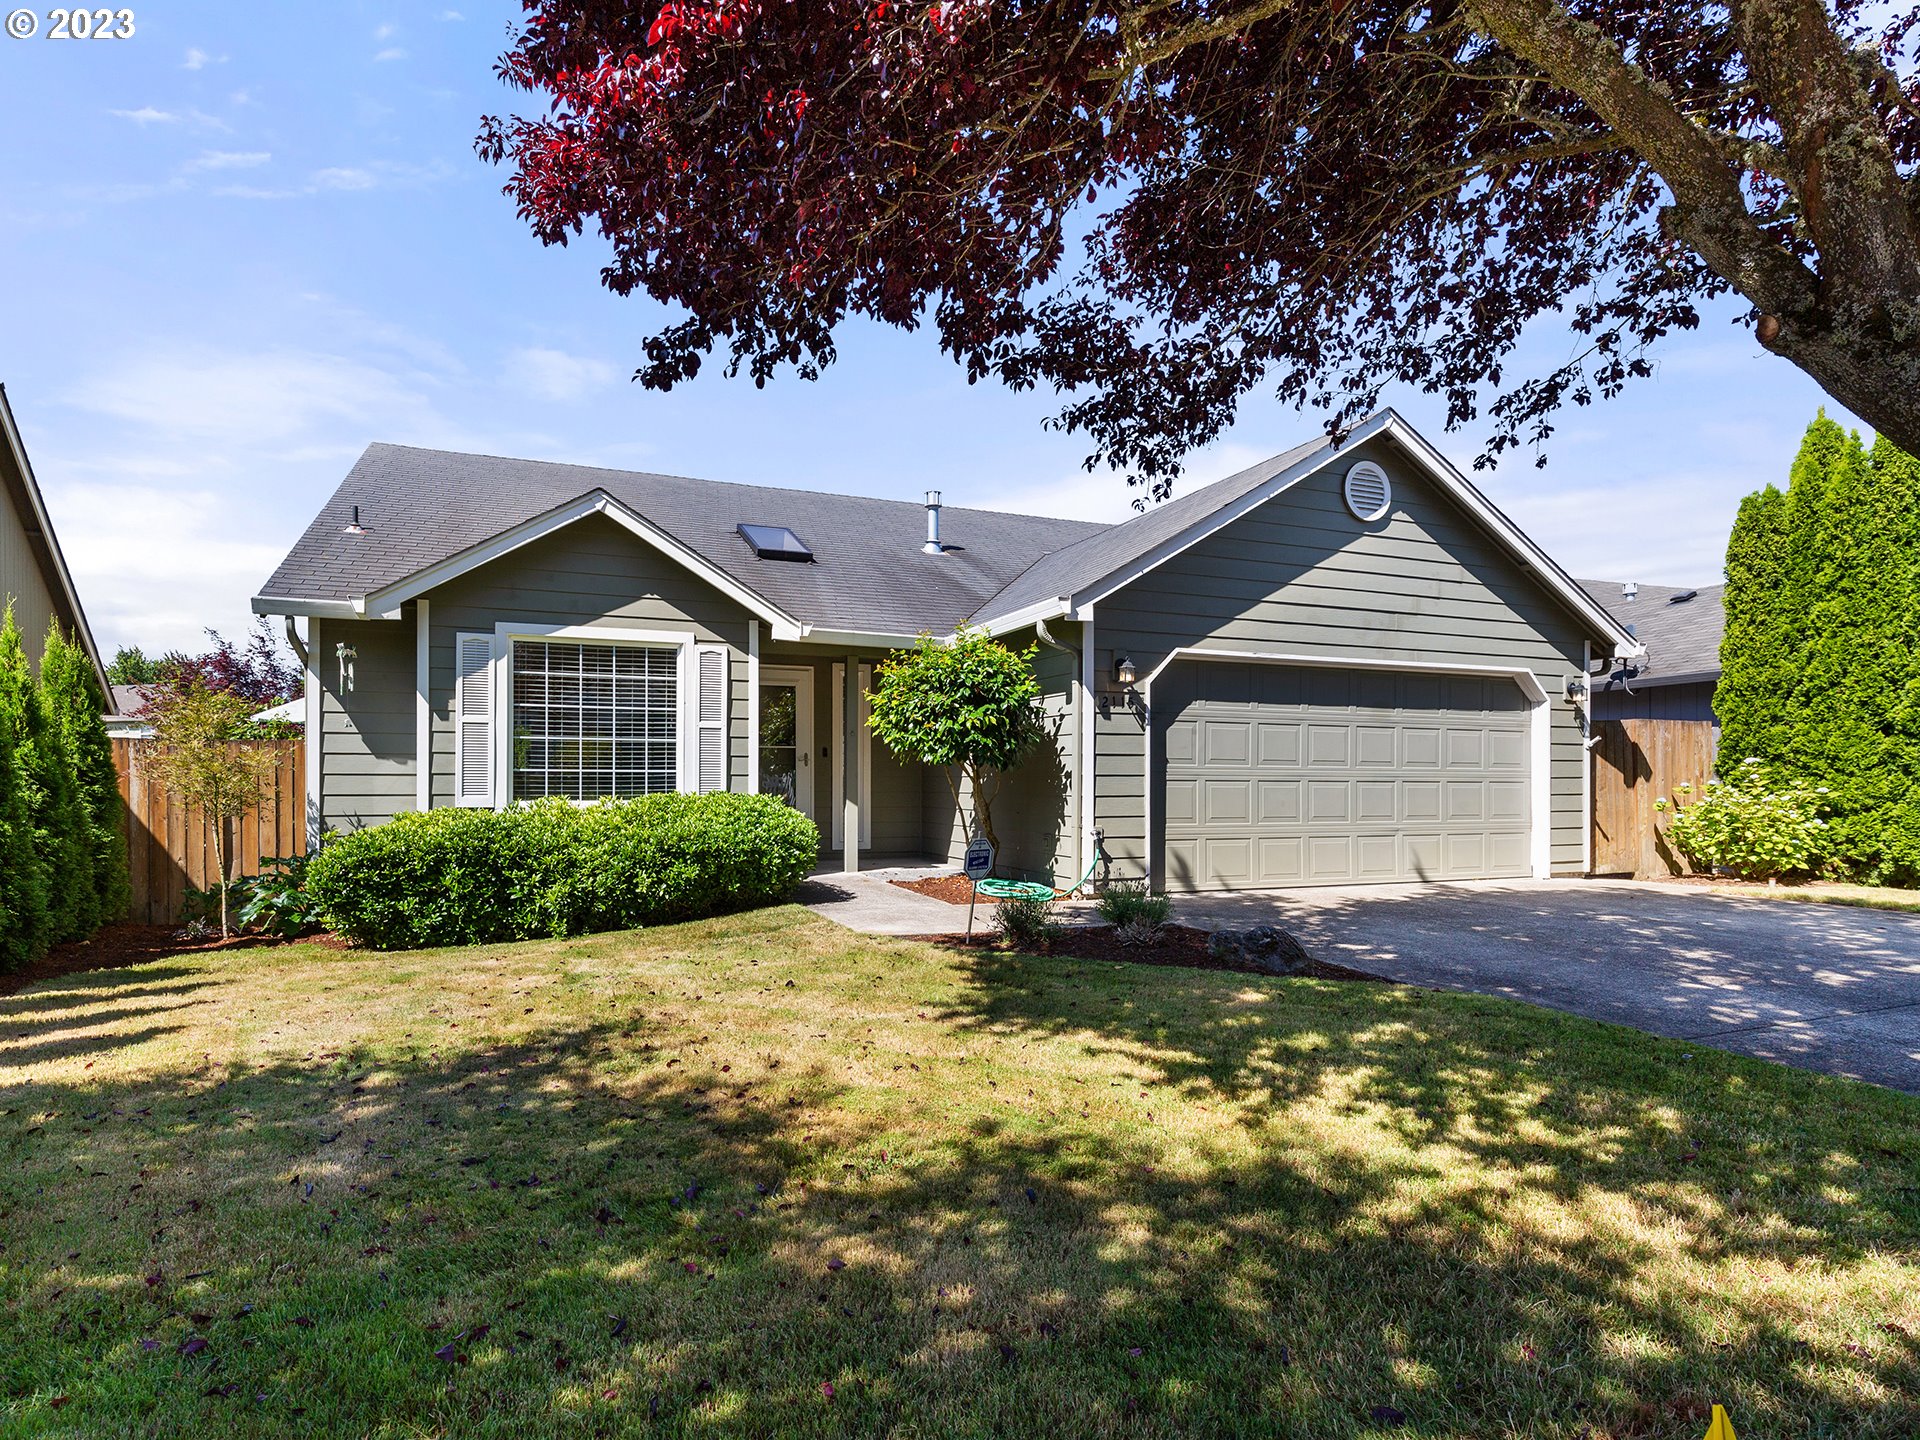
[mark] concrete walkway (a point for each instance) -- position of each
(1824, 987)
(870, 902)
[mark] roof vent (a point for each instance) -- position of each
(1682, 597)
(775, 542)
(1369, 492)
(353, 526)
(933, 545)
(1629, 590)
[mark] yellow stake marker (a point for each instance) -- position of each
(1722, 1427)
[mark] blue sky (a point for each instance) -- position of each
(250, 239)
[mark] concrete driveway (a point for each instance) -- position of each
(1824, 987)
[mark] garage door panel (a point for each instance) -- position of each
(1279, 802)
(1278, 743)
(1376, 746)
(1288, 775)
(1226, 742)
(1506, 750)
(1329, 747)
(1328, 802)
(1226, 802)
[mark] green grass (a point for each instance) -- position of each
(1828, 892)
(687, 1178)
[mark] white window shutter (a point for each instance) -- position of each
(710, 689)
(473, 719)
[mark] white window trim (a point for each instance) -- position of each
(315, 825)
(1540, 716)
(685, 763)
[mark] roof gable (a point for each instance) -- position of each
(17, 479)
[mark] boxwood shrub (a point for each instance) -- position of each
(463, 877)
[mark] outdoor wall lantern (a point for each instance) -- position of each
(1124, 672)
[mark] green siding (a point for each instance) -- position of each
(1300, 575)
(366, 734)
(21, 582)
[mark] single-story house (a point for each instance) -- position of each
(1341, 665)
(33, 572)
(123, 719)
(1680, 627)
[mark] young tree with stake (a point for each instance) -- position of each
(196, 757)
(969, 707)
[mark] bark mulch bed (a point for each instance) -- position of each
(954, 889)
(114, 947)
(1180, 946)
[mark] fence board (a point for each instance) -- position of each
(1637, 762)
(170, 846)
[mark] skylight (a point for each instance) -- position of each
(775, 542)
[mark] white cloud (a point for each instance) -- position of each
(152, 115)
(126, 544)
(384, 32)
(556, 375)
(198, 59)
(229, 160)
(344, 177)
(451, 15)
(392, 52)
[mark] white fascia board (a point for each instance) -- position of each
(595, 502)
(1052, 608)
(322, 609)
(854, 639)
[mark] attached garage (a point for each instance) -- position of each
(1274, 774)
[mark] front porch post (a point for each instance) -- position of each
(850, 769)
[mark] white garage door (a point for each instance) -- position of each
(1274, 775)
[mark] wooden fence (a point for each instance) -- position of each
(1636, 763)
(170, 846)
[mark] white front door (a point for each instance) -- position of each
(786, 735)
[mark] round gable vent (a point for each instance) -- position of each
(1369, 492)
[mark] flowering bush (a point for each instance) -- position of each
(1750, 823)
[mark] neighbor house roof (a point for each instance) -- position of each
(1680, 625)
(424, 515)
(20, 486)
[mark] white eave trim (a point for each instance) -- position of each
(323, 609)
(595, 502)
(1080, 604)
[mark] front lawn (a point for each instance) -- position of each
(762, 1176)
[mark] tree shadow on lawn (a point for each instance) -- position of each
(630, 1226)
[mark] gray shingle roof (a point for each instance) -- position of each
(1682, 636)
(1079, 565)
(422, 506)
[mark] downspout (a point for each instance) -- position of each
(299, 645)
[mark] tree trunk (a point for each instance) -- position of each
(220, 863)
(983, 810)
(1851, 325)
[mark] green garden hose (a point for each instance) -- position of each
(1026, 889)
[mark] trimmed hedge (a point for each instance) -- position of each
(547, 870)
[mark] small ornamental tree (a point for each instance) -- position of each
(970, 707)
(198, 757)
(74, 708)
(59, 824)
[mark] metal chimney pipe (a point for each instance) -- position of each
(933, 545)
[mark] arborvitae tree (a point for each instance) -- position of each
(1858, 657)
(1759, 651)
(59, 826)
(24, 922)
(74, 708)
